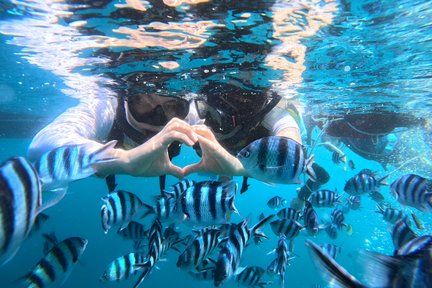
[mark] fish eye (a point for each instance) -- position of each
(246, 154)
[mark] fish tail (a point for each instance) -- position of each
(382, 181)
(147, 269)
(258, 236)
(309, 169)
(99, 156)
(330, 269)
(148, 210)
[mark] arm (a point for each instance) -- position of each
(89, 122)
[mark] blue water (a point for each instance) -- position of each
(352, 56)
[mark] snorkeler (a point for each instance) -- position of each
(373, 135)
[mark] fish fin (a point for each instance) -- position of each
(309, 169)
(233, 208)
(148, 209)
(147, 269)
(123, 226)
(258, 236)
(98, 157)
(271, 252)
(245, 185)
(382, 181)
(51, 198)
(239, 270)
(330, 269)
(50, 241)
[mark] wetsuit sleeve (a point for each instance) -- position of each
(89, 122)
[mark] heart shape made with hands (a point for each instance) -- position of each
(215, 159)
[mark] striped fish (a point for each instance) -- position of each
(413, 190)
(20, 203)
(289, 228)
(179, 188)
(337, 218)
(200, 249)
(165, 209)
(276, 202)
(157, 247)
(364, 183)
(405, 270)
(289, 214)
(353, 202)
(416, 245)
(324, 198)
(56, 266)
(331, 249)
(331, 270)
(310, 219)
(208, 202)
(276, 159)
(120, 208)
(62, 165)
(229, 257)
(133, 231)
(390, 215)
(401, 234)
(251, 277)
(122, 267)
(332, 231)
(278, 266)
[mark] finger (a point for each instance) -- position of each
(177, 136)
(204, 131)
(207, 144)
(176, 124)
(175, 171)
(193, 168)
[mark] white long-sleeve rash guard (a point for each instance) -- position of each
(91, 122)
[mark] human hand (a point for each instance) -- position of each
(151, 158)
(215, 159)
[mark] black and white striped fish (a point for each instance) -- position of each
(62, 165)
(20, 203)
(157, 247)
(123, 267)
(134, 231)
(331, 270)
(120, 208)
(276, 159)
(200, 249)
(165, 208)
(251, 277)
(364, 183)
(56, 266)
(337, 218)
(229, 257)
(413, 190)
(324, 198)
(331, 249)
(179, 188)
(209, 202)
(289, 214)
(416, 245)
(276, 202)
(390, 215)
(410, 269)
(354, 202)
(289, 228)
(401, 234)
(332, 231)
(310, 219)
(278, 266)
